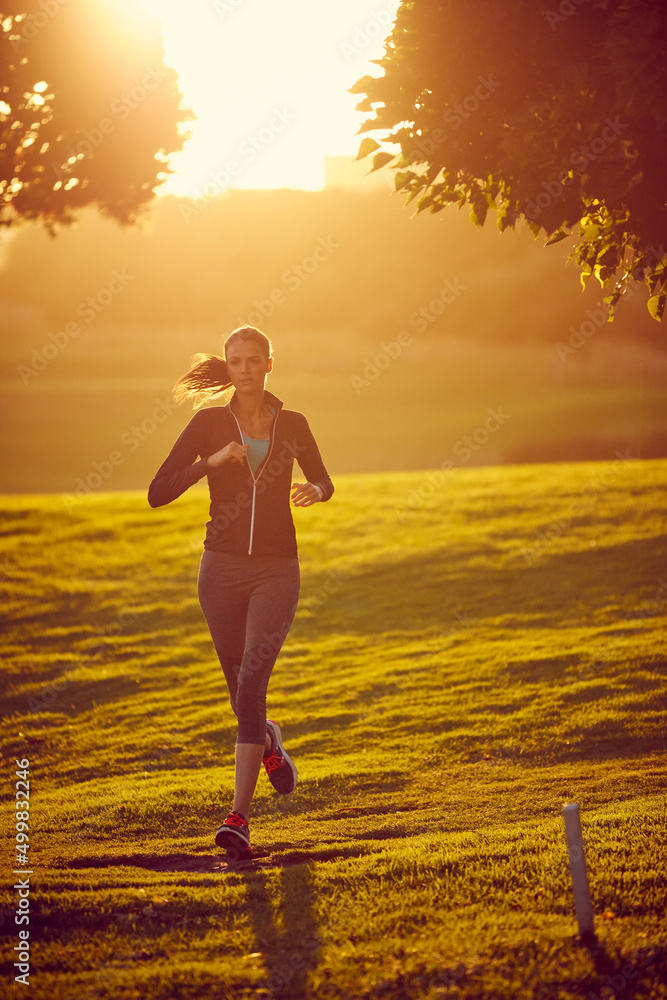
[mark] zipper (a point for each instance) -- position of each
(261, 469)
(252, 513)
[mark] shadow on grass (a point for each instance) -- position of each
(281, 911)
(29, 624)
(287, 936)
(541, 670)
(56, 693)
(255, 860)
(430, 591)
(629, 974)
(529, 970)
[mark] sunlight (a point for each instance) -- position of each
(268, 83)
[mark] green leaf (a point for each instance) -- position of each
(505, 222)
(401, 136)
(380, 159)
(589, 230)
(478, 214)
(402, 179)
(603, 272)
(414, 192)
(586, 272)
(370, 125)
(611, 301)
(425, 202)
(556, 237)
(655, 280)
(362, 85)
(367, 146)
(365, 105)
(656, 306)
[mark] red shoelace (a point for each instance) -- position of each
(273, 761)
(235, 819)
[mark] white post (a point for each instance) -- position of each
(577, 861)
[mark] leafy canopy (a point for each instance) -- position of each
(553, 115)
(89, 113)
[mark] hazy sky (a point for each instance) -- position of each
(268, 80)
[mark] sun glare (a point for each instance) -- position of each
(268, 83)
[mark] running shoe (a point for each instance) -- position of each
(234, 835)
(277, 764)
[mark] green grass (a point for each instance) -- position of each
(470, 652)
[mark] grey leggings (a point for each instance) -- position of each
(249, 603)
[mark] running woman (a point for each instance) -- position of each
(249, 578)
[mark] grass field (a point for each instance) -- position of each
(472, 650)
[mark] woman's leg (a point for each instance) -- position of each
(271, 610)
(224, 602)
(249, 605)
(248, 765)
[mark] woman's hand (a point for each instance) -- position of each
(304, 494)
(232, 452)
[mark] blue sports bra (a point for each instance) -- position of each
(257, 449)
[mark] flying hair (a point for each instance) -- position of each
(208, 377)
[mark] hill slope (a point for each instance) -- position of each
(471, 651)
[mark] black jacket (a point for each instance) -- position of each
(248, 513)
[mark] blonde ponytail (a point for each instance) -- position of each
(207, 379)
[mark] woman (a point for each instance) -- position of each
(249, 575)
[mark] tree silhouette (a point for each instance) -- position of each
(552, 115)
(89, 113)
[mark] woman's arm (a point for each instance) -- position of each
(180, 470)
(312, 466)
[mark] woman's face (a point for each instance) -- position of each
(247, 364)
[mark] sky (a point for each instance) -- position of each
(268, 81)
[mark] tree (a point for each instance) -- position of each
(89, 113)
(557, 116)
